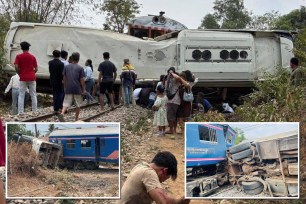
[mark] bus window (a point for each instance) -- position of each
(85, 143)
(207, 134)
(70, 144)
(229, 139)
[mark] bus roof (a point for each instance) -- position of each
(85, 132)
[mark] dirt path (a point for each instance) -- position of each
(58, 183)
(176, 146)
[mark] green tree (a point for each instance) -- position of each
(300, 47)
(294, 20)
(43, 11)
(264, 22)
(239, 135)
(209, 22)
(119, 13)
(231, 14)
(17, 128)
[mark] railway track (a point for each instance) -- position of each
(89, 118)
(85, 119)
(49, 115)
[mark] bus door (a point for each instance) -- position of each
(97, 147)
(102, 148)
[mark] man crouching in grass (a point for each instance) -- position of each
(143, 185)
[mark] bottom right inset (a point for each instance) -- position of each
(242, 160)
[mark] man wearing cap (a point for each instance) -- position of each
(26, 67)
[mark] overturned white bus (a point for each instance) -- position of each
(218, 58)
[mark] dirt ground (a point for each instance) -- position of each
(62, 183)
(177, 146)
(141, 146)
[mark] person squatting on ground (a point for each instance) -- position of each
(152, 98)
(26, 67)
(160, 115)
(128, 80)
(56, 68)
(108, 73)
(143, 185)
(203, 104)
(89, 81)
(74, 86)
(296, 76)
(172, 90)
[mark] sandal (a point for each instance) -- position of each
(169, 133)
(61, 117)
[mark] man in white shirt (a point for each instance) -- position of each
(14, 85)
(64, 56)
(136, 93)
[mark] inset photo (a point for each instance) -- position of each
(63, 160)
(242, 160)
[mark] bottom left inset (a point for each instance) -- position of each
(63, 160)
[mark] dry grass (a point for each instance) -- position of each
(22, 160)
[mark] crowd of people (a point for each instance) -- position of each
(172, 98)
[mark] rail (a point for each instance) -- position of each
(42, 117)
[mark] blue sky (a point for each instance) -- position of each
(191, 12)
(259, 130)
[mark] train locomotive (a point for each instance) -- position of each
(88, 147)
(206, 146)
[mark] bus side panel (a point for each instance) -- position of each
(203, 152)
(109, 149)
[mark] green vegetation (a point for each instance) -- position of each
(274, 100)
(231, 14)
(142, 124)
(209, 116)
(17, 128)
(119, 13)
(239, 136)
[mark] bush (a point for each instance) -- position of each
(275, 100)
(22, 160)
(210, 116)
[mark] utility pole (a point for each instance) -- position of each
(36, 132)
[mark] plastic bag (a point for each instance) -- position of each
(188, 96)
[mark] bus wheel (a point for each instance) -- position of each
(91, 165)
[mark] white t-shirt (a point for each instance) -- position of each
(136, 93)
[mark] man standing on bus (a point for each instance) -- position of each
(26, 67)
(108, 73)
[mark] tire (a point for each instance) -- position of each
(91, 165)
(250, 185)
(239, 147)
(241, 155)
(255, 191)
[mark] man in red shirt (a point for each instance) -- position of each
(26, 67)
